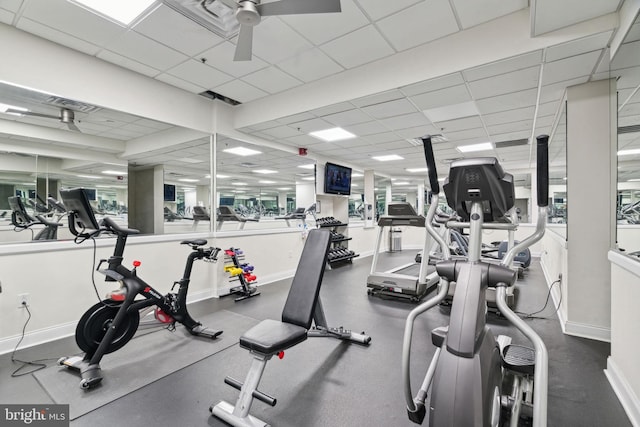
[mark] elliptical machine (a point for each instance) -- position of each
(471, 369)
(111, 323)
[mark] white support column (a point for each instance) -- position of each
(591, 170)
(369, 198)
(420, 207)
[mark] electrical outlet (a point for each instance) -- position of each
(23, 300)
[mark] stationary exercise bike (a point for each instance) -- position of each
(110, 324)
(474, 378)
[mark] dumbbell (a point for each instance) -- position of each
(249, 277)
(235, 271)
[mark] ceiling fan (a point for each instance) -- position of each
(66, 116)
(249, 13)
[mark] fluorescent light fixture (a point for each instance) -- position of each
(5, 107)
(239, 191)
(242, 151)
(629, 152)
(402, 183)
(284, 188)
(220, 176)
(483, 146)
(207, 176)
(333, 134)
(633, 180)
(89, 176)
(356, 175)
(309, 178)
(354, 185)
(441, 179)
(240, 183)
(564, 179)
(264, 171)
(387, 158)
(264, 181)
(416, 170)
(452, 112)
(307, 166)
(188, 180)
(114, 172)
(123, 11)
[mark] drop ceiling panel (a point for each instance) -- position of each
(377, 9)
(552, 15)
(296, 118)
(405, 121)
(368, 128)
(507, 102)
(6, 17)
(180, 83)
(570, 68)
(472, 13)
(382, 137)
(176, 31)
(416, 132)
(125, 62)
(201, 74)
(311, 125)
(272, 80)
(71, 19)
(576, 47)
(57, 36)
(142, 49)
(320, 28)
(433, 84)
(627, 56)
(505, 66)
(505, 83)
(11, 5)
(554, 92)
(310, 65)
(220, 57)
(378, 98)
(275, 41)
(390, 109)
(415, 25)
(509, 116)
(240, 91)
(359, 47)
(345, 118)
(475, 133)
(524, 125)
(459, 124)
(438, 98)
(281, 132)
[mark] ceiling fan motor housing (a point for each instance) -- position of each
(247, 13)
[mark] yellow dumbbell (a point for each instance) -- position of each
(235, 271)
(229, 267)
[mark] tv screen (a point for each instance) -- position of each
(337, 179)
(169, 193)
(91, 194)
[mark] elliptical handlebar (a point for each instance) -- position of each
(543, 170)
(431, 164)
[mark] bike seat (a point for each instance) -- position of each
(194, 243)
(520, 359)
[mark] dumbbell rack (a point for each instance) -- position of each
(339, 251)
(242, 272)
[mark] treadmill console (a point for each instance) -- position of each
(401, 213)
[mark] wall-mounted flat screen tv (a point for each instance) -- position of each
(169, 193)
(337, 179)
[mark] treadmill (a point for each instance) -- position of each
(411, 281)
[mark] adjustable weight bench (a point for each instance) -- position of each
(271, 337)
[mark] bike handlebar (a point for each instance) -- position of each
(431, 164)
(543, 170)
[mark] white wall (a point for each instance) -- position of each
(623, 370)
(57, 276)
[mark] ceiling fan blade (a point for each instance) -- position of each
(295, 7)
(245, 44)
(30, 113)
(229, 3)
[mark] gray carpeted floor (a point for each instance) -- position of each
(323, 382)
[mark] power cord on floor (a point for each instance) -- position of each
(533, 314)
(37, 364)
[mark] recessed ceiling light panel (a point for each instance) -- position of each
(242, 151)
(265, 171)
(629, 152)
(333, 134)
(123, 11)
(483, 146)
(387, 158)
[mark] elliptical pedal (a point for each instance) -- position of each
(520, 359)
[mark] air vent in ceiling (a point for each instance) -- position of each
(72, 105)
(248, 165)
(212, 95)
(512, 143)
(435, 138)
(628, 129)
(213, 15)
